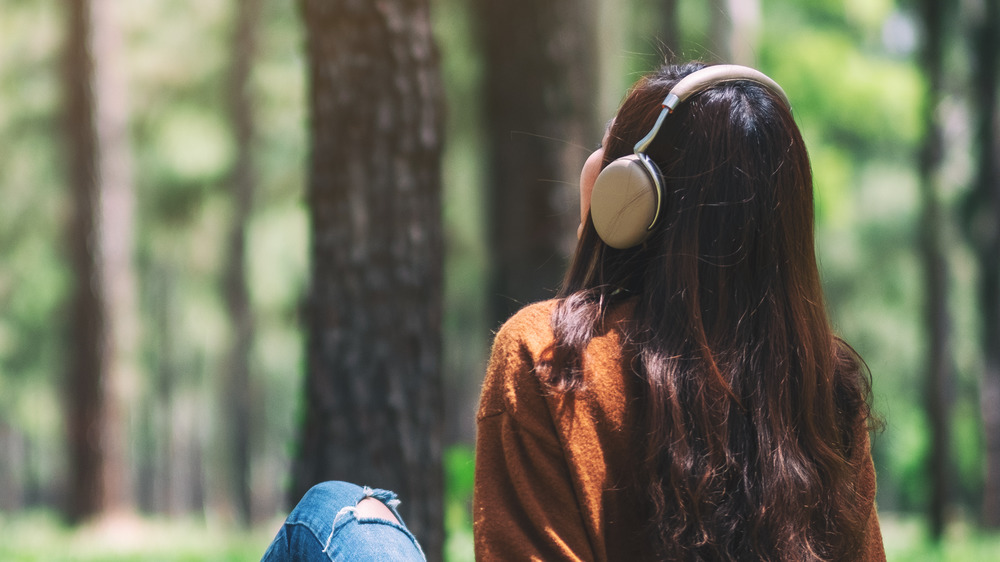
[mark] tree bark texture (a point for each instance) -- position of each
(373, 411)
(104, 326)
(983, 229)
(937, 319)
(238, 380)
(539, 99)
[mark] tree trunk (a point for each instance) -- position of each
(937, 386)
(983, 229)
(13, 467)
(670, 29)
(539, 93)
(238, 382)
(719, 28)
(373, 413)
(744, 17)
(167, 492)
(117, 235)
(733, 30)
(86, 399)
(652, 31)
(104, 324)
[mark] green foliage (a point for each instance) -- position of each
(466, 333)
(863, 100)
(40, 536)
(906, 540)
(859, 105)
(459, 465)
(177, 56)
(193, 145)
(34, 277)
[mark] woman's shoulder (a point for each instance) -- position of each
(517, 348)
(528, 331)
(532, 325)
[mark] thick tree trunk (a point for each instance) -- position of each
(983, 223)
(373, 412)
(937, 386)
(539, 91)
(238, 393)
(104, 324)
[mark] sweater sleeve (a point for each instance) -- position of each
(524, 504)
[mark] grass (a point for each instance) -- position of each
(906, 540)
(41, 536)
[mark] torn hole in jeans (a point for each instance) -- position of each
(384, 510)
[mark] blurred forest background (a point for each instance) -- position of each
(211, 211)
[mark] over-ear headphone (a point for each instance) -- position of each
(628, 194)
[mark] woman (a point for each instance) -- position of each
(684, 397)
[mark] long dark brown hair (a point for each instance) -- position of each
(751, 406)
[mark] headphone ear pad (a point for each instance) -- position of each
(624, 202)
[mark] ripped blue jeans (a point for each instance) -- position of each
(324, 526)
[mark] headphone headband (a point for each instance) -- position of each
(717, 74)
(628, 194)
(701, 80)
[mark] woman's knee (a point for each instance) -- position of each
(371, 507)
(363, 502)
(332, 492)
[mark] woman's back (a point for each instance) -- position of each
(562, 486)
(687, 388)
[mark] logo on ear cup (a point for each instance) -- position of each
(625, 202)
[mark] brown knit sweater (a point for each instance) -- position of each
(552, 470)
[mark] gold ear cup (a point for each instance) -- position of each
(624, 203)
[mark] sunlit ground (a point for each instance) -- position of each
(905, 538)
(40, 536)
